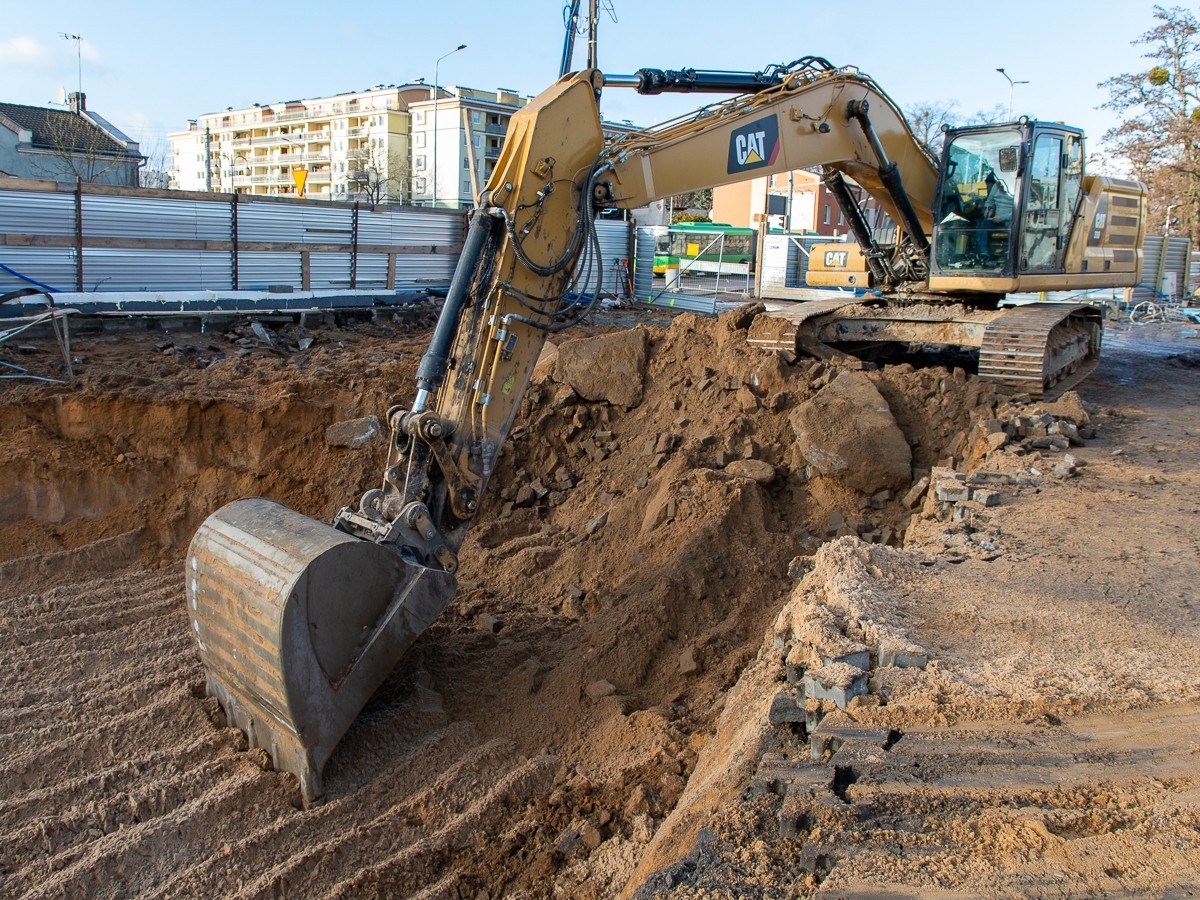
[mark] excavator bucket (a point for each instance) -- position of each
(298, 624)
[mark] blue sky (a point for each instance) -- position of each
(149, 67)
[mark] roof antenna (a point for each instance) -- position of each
(78, 53)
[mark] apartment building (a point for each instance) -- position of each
(387, 144)
(332, 148)
(456, 140)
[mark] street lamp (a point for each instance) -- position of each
(1011, 84)
(435, 113)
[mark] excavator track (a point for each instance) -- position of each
(1043, 349)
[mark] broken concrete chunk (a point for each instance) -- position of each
(985, 496)
(916, 492)
(688, 664)
(785, 708)
(354, 434)
(847, 431)
(488, 622)
(901, 655)
(1070, 407)
(609, 368)
(600, 689)
(754, 469)
(837, 683)
(951, 491)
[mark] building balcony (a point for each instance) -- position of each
(357, 131)
(322, 177)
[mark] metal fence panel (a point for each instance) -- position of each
(147, 219)
(1165, 269)
(162, 218)
(614, 238)
(53, 266)
(260, 269)
(37, 212)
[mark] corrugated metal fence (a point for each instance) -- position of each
(100, 238)
(1165, 274)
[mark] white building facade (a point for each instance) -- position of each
(385, 145)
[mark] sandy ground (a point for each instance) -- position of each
(591, 716)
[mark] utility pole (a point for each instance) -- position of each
(436, 91)
(593, 27)
(1011, 84)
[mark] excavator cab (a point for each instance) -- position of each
(1006, 200)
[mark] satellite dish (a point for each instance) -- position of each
(62, 94)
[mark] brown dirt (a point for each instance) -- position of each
(638, 558)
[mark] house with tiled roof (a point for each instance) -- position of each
(65, 145)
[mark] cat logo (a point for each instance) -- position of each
(836, 259)
(754, 146)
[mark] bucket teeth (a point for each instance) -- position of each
(298, 623)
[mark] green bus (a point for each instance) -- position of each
(707, 247)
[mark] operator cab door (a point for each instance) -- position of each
(1050, 193)
(977, 216)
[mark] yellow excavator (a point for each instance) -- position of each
(298, 622)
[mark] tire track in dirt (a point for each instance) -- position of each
(320, 864)
(253, 853)
(96, 744)
(122, 777)
(196, 828)
(405, 870)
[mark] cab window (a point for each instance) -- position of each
(974, 218)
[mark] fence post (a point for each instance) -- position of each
(233, 259)
(79, 235)
(354, 247)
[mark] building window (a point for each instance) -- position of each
(419, 139)
(841, 218)
(419, 185)
(466, 163)
(475, 116)
(419, 117)
(466, 187)
(826, 214)
(419, 162)
(478, 141)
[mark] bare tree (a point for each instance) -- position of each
(1160, 107)
(926, 119)
(377, 175)
(156, 168)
